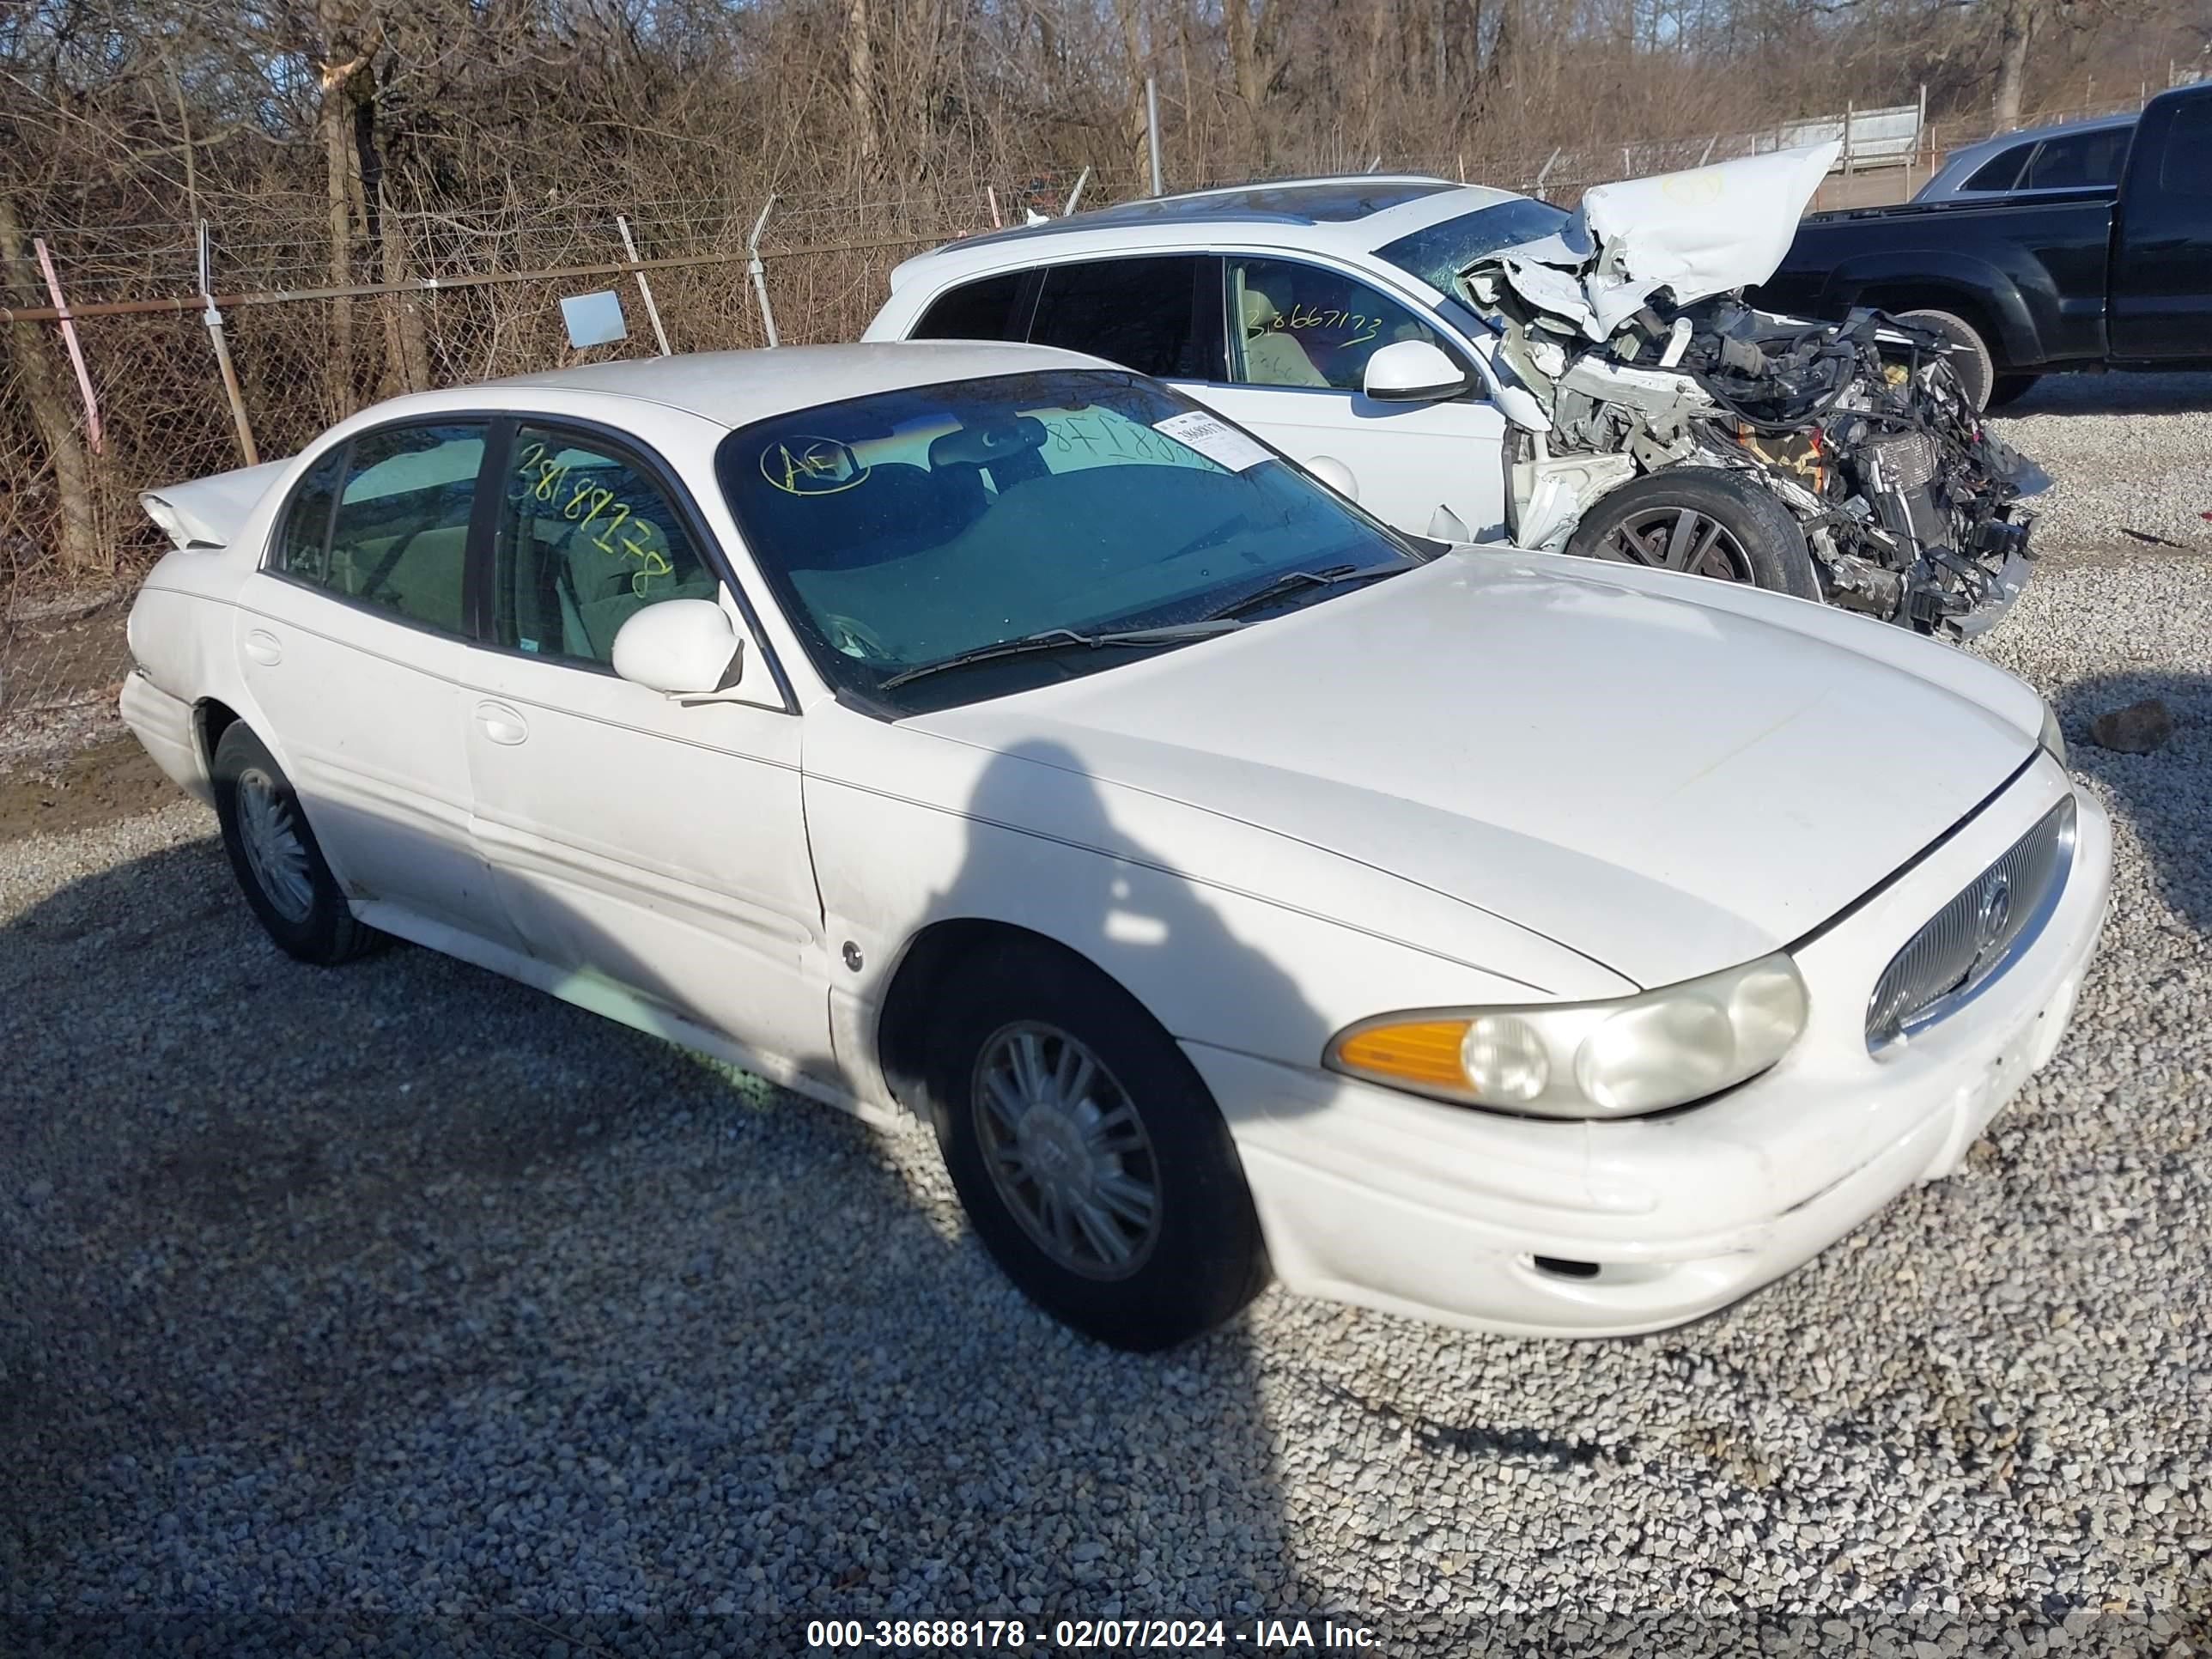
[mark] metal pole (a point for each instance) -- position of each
(1076, 195)
(760, 271)
(1543, 172)
(644, 287)
(1152, 132)
(213, 319)
(68, 338)
(1849, 109)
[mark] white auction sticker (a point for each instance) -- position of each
(1219, 442)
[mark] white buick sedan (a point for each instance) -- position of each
(1235, 883)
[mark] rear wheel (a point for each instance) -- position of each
(273, 853)
(1970, 353)
(1704, 522)
(1088, 1152)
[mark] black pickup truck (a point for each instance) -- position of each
(2084, 279)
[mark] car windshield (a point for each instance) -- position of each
(909, 527)
(1438, 252)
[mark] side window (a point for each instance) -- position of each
(1140, 313)
(2188, 142)
(2001, 171)
(2084, 159)
(307, 534)
(586, 541)
(974, 311)
(1299, 324)
(399, 540)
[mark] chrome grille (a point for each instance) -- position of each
(1971, 939)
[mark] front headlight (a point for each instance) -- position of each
(2051, 737)
(1589, 1060)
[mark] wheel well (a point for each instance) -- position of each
(210, 720)
(921, 977)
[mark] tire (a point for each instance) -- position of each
(1970, 353)
(1193, 1253)
(275, 857)
(1737, 531)
(2010, 389)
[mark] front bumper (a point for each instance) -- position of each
(1374, 1197)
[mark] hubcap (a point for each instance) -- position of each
(270, 833)
(1066, 1151)
(1678, 538)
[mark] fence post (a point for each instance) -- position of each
(1850, 108)
(213, 319)
(1545, 172)
(1152, 132)
(644, 287)
(759, 272)
(68, 338)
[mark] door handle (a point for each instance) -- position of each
(265, 647)
(500, 723)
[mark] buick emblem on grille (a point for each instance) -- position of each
(1990, 916)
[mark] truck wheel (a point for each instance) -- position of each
(1970, 353)
(1703, 521)
(2010, 389)
(1087, 1151)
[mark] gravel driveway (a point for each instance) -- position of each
(397, 1308)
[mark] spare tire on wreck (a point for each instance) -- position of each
(1703, 521)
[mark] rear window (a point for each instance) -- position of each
(1140, 313)
(2080, 160)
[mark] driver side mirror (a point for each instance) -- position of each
(681, 648)
(1413, 372)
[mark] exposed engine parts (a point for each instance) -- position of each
(1908, 507)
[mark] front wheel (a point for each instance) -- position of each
(1704, 522)
(1088, 1152)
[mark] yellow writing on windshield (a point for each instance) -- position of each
(812, 466)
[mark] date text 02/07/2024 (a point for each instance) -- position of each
(1082, 1635)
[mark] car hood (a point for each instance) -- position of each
(1699, 233)
(1664, 773)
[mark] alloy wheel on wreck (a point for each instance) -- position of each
(1678, 538)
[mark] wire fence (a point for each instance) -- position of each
(445, 296)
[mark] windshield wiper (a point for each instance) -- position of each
(1290, 581)
(1066, 639)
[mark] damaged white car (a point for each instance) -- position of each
(1477, 366)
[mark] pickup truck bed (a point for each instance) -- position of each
(2093, 278)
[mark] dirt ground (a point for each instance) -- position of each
(112, 780)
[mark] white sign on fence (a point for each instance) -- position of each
(1870, 137)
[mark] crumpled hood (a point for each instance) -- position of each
(1663, 784)
(1699, 232)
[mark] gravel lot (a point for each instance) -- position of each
(397, 1308)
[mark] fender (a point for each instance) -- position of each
(2021, 317)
